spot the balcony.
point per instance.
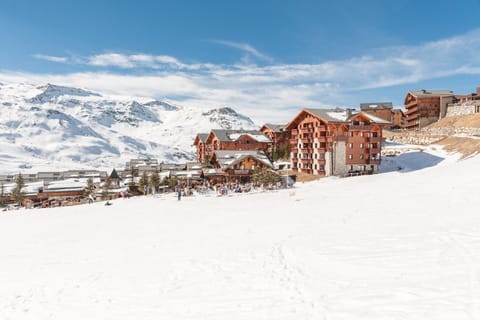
(374, 139)
(306, 130)
(294, 132)
(295, 160)
(320, 161)
(306, 161)
(341, 138)
(358, 127)
(306, 140)
(321, 150)
(321, 128)
(306, 150)
(294, 150)
(294, 141)
(241, 172)
(374, 150)
(412, 110)
(374, 161)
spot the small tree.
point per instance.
(155, 180)
(265, 176)
(170, 182)
(90, 188)
(17, 192)
(106, 187)
(143, 183)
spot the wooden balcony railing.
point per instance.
(360, 127)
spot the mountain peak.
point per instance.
(51, 92)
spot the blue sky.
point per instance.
(268, 59)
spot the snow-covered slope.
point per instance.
(400, 245)
(51, 126)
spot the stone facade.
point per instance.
(463, 109)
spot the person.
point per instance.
(90, 198)
(179, 194)
(108, 203)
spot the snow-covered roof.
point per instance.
(375, 119)
(228, 158)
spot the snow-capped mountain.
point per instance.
(50, 127)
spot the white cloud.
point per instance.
(263, 91)
(51, 58)
(245, 47)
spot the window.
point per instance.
(361, 145)
(350, 156)
(350, 145)
(361, 156)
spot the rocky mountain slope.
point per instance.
(49, 126)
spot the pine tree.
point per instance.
(106, 187)
(90, 188)
(143, 183)
(17, 193)
(155, 180)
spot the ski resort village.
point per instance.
(340, 213)
(239, 160)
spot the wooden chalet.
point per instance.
(398, 119)
(335, 142)
(277, 134)
(219, 139)
(426, 106)
(238, 165)
(200, 146)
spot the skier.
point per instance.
(179, 194)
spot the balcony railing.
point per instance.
(374, 161)
(241, 171)
(306, 130)
(306, 140)
(360, 127)
(294, 132)
(374, 150)
(307, 160)
(306, 150)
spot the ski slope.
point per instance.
(398, 245)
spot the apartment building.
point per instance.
(335, 142)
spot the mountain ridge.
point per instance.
(52, 126)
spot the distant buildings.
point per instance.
(426, 106)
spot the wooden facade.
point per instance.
(238, 165)
(335, 142)
(398, 119)
(279, 136)
(426, 106)
(230, 140)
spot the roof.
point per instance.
(233, 135)
(374, 118)
(399, 110)
(431, 93)
(227, 158)
(275, 127)
(331, 115)
(114, 175)
(202, 136)
(376, 105)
